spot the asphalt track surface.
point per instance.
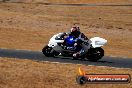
(38, 56)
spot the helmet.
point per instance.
(75, 31)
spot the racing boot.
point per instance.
(79, 54)
(75, 56)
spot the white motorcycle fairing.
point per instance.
(97, 42)
(53, 42)
(92, 48)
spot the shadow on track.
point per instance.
(85, 60)
(38, 56)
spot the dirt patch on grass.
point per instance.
(31, 74)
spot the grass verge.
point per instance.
(16, 73)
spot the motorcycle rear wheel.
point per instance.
(95, 54)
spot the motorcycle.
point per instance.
(92, 48)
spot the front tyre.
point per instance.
(47, 51)
(94, 54)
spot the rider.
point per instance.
(75, 32)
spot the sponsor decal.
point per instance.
(83, 78)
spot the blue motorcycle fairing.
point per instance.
(70, 41)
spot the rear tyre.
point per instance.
(94, 54)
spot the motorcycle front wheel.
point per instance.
(49, 52)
